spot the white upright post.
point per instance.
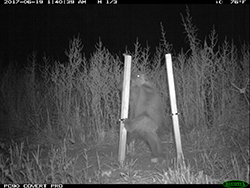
(124, 110)
(180, 156)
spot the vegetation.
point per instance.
(57, 118)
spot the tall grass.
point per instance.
(58, 106)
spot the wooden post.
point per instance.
(124, 110)
(175, 119)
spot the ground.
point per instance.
(103, 159)
(98, 163)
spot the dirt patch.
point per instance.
(101, 161)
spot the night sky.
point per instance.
(48, 28)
